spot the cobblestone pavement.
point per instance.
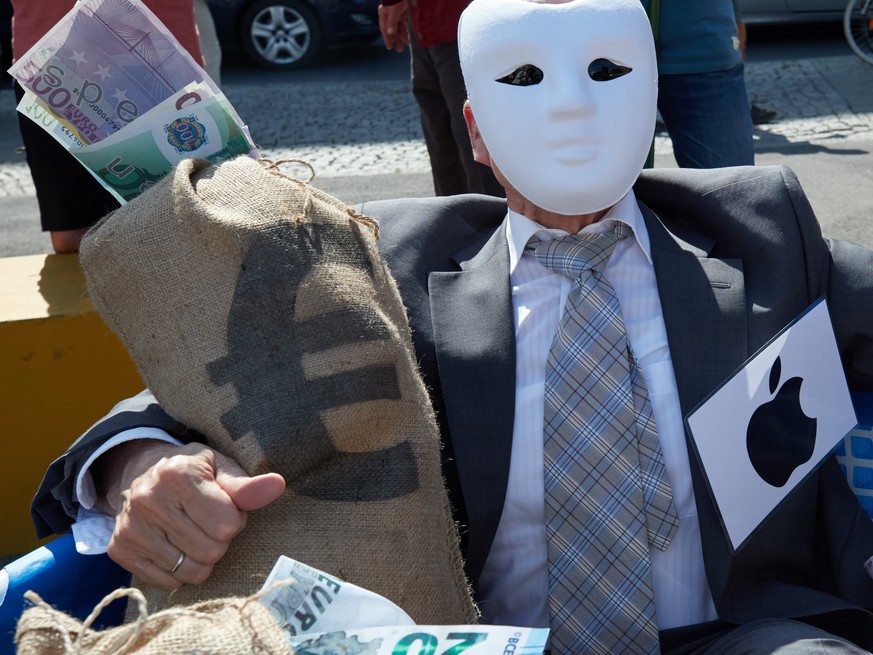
(816, 98)
(372, 128)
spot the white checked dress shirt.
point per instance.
(513, 586)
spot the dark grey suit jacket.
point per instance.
(738, 254)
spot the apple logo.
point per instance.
(780, 437)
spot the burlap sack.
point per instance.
(227, 626)
(261, 314)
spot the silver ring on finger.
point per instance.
(178, 562)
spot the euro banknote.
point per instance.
(106, 63)
(426, 640)
(135, 158)
(320, 613)
(192, 123)
(31, 107)
(304, 599)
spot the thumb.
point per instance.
(247, 493)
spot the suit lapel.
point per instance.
(704, 305)
(703, 300)
(475, 347)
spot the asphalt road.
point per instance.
(353, 117)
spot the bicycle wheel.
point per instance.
(858, 26)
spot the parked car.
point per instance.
(286, 34)
(791, 11)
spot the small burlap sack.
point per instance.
(261, 314)
(227, 626)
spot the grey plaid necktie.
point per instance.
(607, 496)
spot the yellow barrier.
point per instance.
(61, 369)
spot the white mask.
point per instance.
(568, 143)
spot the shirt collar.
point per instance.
(520, 229)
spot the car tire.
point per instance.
(281, 34)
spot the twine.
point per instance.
(143, 618)
(272, 167)
(365, 220)
(71, 648)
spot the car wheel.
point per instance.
(281, 34)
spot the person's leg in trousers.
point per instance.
(479, 178)
(439, 90)
(707, 117)
(776, 637)
(445, 163)
(70, 199)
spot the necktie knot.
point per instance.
(572, 254)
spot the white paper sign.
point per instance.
(769, 425)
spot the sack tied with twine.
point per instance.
(261, 314)
(227, 626)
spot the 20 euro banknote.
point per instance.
(323, 615)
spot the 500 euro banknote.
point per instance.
(103, 65)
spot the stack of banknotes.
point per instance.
(114, 87)
(323, 615)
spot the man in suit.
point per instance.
(708, 266)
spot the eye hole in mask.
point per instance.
(603, 70)
(526, 75)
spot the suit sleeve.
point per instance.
(841, 271)
(851, 300)
(55, 505)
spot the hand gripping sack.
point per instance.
(260, 314)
